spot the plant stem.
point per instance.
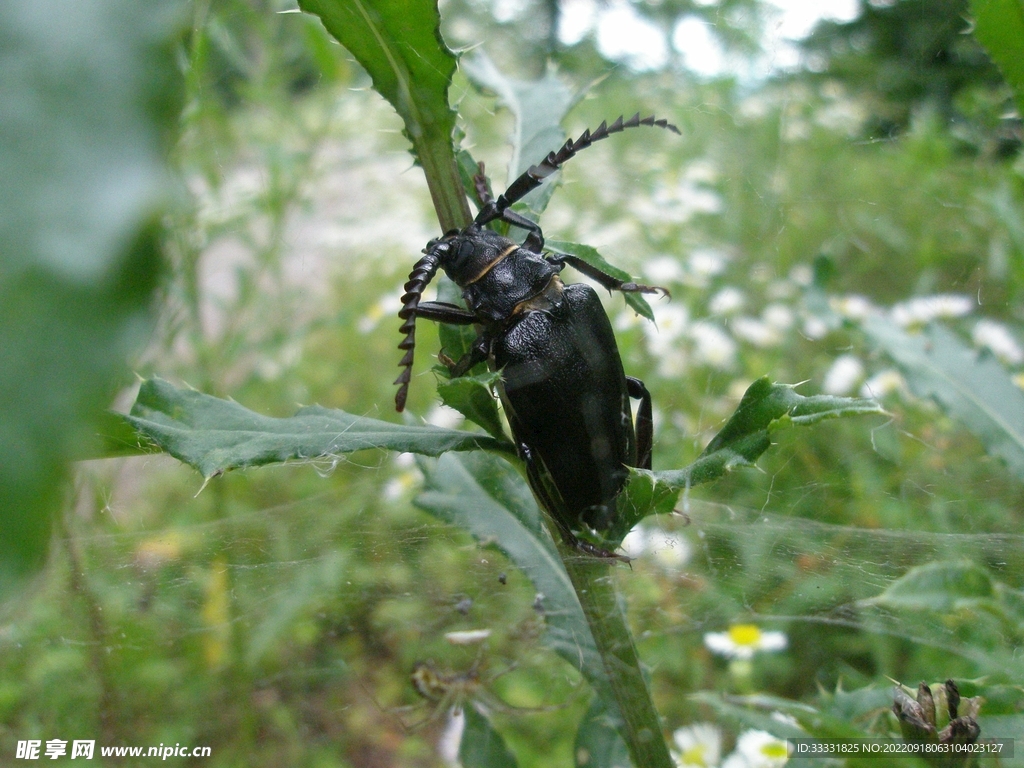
(641, 729)
(439, 166)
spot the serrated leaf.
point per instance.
(399, 44)
(643, 495)
(481, 745)
(214, 435)
(472, 397)
(765, 408)
(538, 107)
(483, 496)
(971, 387)
(596, 260)
(940, 586)
(999, 26)
(89, 93)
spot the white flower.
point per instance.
(843, 375)
(397, 487)
(669, 549)
(742, 641)
(702, 171)
(778, 316)
(713, 345)
(758, 749)
(443, 416)
(635, 543)
(758, 333)
(852, 307)
(923, 309)
(815, 328)
(998, 340)
(699, 744)
(663, 269)
(802, 275)
(726, 301)
(702, 265)
(883, 383)
(670, 322)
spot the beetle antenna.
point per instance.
(421, 274)
(536, 174)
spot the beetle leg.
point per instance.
(476, 354)
(534, 237)
(443, 312)
(606, 280)
(644, 422)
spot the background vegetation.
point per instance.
(812, 225)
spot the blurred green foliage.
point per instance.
(911, 55)
(89, 98)
(276, 615)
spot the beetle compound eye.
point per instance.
(466, 250)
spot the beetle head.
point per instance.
(466, 255)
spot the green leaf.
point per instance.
(89, 93)
(765, 409)
(538, 107)
(596, 260)
(119, 438)
(941, 586)
(214, 435)
(456, 340)
(970, 386)
(999, 26)
(399, 44)
(644, 495)
(482, 746)
(481, 494)
(472, 397)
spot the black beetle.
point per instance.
(562, 385)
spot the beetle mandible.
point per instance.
(562, 385)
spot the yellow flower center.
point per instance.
(695, 755)
(744, 634)
(774, 750)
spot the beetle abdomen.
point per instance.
(564, 392)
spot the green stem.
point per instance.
(641, 728)
(442, 172)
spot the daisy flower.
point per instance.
(742, 641)
(758, 749)
(700, 746)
